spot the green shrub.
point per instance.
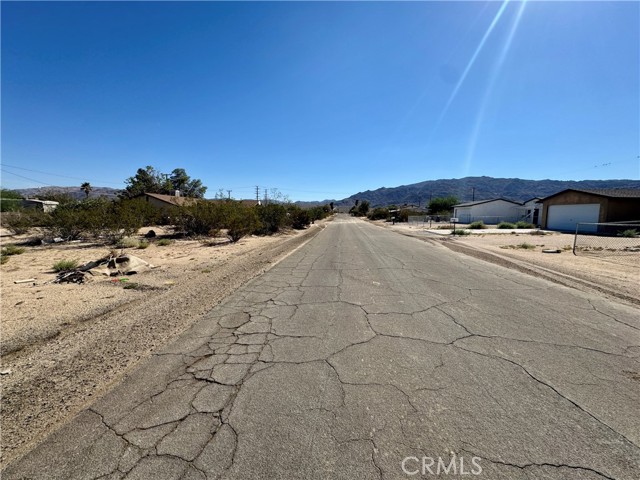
(506, 225)
(379, 213)
(9, 250)
(318, 213)
(163, 242)
(403, 215)
(128, 242)
(10, 204)
(522, 224)
(142, 244)
(299, 218)
(631, 233)
(442, 206)
(524, 246)
(271, 218)
(5, 193)
(125, 217)
(360, 210)
(199, 218)
(12, 250)
(22, 221)
(97, 217)
(477, 225)
(64, 265)
(239, 220)
(461, 232)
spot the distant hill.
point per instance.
(74, 192)
(485, 188)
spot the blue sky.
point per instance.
(320, 100)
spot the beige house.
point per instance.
(168, 201)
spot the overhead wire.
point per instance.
(57, 174)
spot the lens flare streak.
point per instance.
(473, 140)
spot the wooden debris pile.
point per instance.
(112, 266)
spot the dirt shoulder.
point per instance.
(67, 344)
(614, 277)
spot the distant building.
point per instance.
(491, 211)
(531, 211)
(159, 200)
(563, 210)
(43, 205)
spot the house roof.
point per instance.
(171, 199)
(603, 192)
(471, 204)
(43, 202)
(182, 201)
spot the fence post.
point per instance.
(575, 239)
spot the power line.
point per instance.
(26, 178)
(56, 175)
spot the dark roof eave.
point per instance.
(606, 193)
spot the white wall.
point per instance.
(495, 211)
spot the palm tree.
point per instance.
(86, 188)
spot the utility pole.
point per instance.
(266, 196)
(257, 194)
(229, 192)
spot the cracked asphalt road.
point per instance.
(360, 349)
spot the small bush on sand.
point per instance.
(477, 225)
(461, 232)
(12, 250)
(64, 265)
(163, 242)
(631, 233)
(142, 244)
(128, 242)
(524, 246)
(22, 221)
(522, 224)
(506, 225)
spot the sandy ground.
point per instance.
(617, 274)
(64, 344)
(40, 310)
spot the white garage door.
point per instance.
(565, 217)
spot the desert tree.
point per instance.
(86, 188)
